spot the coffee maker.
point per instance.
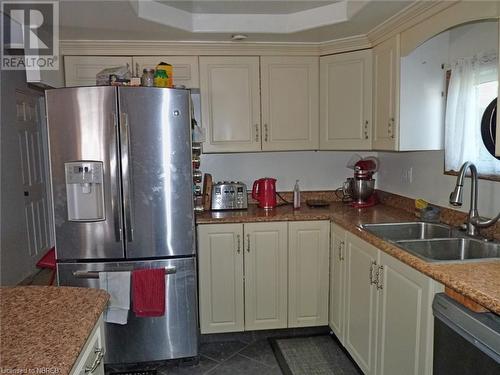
(361, 188)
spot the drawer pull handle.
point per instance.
(379, 273)
(238, 239)
(372, 280)
(248, 243)
(99, 354)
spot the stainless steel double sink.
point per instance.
(434, 242)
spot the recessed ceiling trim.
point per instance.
(246, 23)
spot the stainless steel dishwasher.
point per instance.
(465, 342)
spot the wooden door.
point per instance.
(337, 281)
(266, 270)
(308, 274)
(230, 103)
(220, 259)
(82, 70)
(386, 68)
(290, 103)
(185, 68)
(405, 333)
(346, 101)
(361, 303)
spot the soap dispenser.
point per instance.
(296, 195)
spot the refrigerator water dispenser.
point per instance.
(84, 190)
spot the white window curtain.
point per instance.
(463, 114)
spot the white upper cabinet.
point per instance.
(82, 70)
(386, 95)
(230, 103)
(346, 101)
(185, 68)
(290, 103)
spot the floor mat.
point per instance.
(312, 355)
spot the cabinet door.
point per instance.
(266, 268)
(82, 70)
(185, 68)
(290, 103)
(405, 329)
(308, 279)
(220, 258)
(230, 103)
(386, 95)
(361, 303)
(346, 101)
(337, 283)
(92, 353)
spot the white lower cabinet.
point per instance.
(234, 297)
(337, 281)
(220, 257)
(91, 358)
(263, 275)
(380, 308)
(308, 254)
(361, 302)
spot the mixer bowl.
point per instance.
(362, 189)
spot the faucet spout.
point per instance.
(474, 221)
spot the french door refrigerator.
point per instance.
(121, 174)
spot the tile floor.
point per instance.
(221, 358)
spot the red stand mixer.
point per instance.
(361, 187)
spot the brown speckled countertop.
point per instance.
(479, 281)
(44, 328)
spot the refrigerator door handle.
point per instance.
(125, 147)
(95, 274)
(116, 197)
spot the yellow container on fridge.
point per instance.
(163, 75)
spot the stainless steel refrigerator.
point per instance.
(122, 180)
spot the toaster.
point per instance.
(229, 196)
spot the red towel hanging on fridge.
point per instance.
(148, 292)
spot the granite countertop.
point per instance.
(479, 281)
(44, 328)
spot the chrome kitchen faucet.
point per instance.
(474, 221)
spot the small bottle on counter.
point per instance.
(296, 196)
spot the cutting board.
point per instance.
(207, 191)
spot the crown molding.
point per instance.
(351, 43)
(173, 48)
(406, 18)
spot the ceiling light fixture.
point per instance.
(238, 37)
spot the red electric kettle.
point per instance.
(264, 191)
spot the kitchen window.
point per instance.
(472, 87)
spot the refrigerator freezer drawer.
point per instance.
(174, 335)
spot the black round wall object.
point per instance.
(489, 127)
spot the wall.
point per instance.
(316, 170)
(430, 183)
